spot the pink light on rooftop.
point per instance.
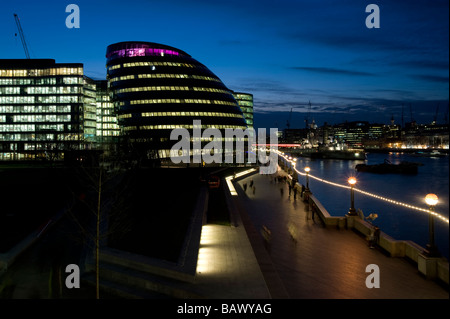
(142, 52)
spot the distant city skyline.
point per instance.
(287, 54)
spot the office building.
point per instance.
(157, 88)
(46, 109)
(108, 129)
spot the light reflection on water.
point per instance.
(397, 221)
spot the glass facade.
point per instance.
(245, 102)
(157, 88)
(46, 108)
(108, 129)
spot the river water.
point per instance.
(397, 221)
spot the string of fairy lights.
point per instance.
(391, 201)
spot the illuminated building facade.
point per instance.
(157, 88)
(89, 117)
(46, 109)
(108, 129)
(245, 102)
(352, 133)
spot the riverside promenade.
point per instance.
(304, 259)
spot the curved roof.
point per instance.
(140, 48)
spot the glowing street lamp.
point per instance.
(352, 210)
(294, 170)
(431, 249)
(289, 164)
(307, 169)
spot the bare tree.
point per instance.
(101, 200)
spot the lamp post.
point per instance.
(290, 163)
(431, 249)
(294, 171)
(307, 169)
(352, 210)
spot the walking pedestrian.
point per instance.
(251, 182)
(253, 188)
(374, 236)
(245, 187)
(371, 238)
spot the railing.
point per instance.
(430, 267)
(392, 201)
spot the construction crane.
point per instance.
(308, 115)
(22, 36)
(435, 115)
(411, 113)
(446, 116)
(403, 124)
(288, 122)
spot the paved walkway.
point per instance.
(227, 267)
(317, 262)
(303, 260)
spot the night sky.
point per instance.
(286, 53)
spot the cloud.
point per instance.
(271, 113)
(423, 64)
(331, 71)
(268, 106)
(431, 78)
(261, 85)
(408, 31)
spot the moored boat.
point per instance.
(433, 153)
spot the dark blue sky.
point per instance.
(286, 53)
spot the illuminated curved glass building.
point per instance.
(157, 88)
(245, 102)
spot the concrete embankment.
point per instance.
(431, 267)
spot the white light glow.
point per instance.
(431, 199)
(439, 216)
(208, 261)
(231, 186)
(230, 178)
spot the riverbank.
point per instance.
(405, 150)
(398, 221)
(435, 267)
